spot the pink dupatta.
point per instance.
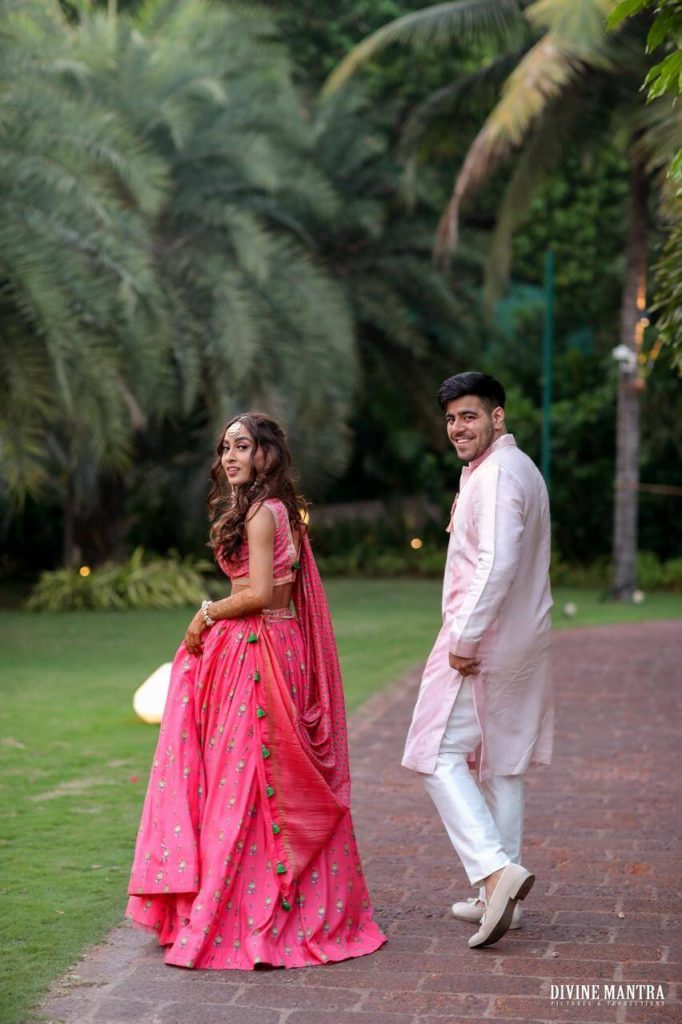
(308, 767)
(324, 715)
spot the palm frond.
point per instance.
(26, 401)
(541, 76)
(540, 155)
(668, 295)
(483, 84)
(658, 128)
(431, 27)
(581, 24)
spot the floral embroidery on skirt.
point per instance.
(233, 867)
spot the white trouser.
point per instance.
(483, 820)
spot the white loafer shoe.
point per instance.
(472, 910)
(515, 883)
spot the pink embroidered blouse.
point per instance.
(284, 556)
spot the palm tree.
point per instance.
(78, 350)
(253, 318)
(412, 320)
(563, 64)
(156, 178)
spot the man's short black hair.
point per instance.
(485, 387)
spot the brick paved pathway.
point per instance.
(601, 824)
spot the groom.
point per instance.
(485, 699)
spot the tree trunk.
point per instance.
(95, 532)
(71, 555)
(630, 387)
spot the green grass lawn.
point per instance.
(74, 758)
(594, 610)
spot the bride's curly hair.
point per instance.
(229, 507)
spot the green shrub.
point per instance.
(147, 581)
(651, 573)
(340, 565)
(649, 570)
(596, 574)
(372, 560)
(388, 563)
(671, 575)
(144, 581)
(430, 562)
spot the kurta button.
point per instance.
(280, 869)
(265, 751)
(260, 713)
(276, 829)
(269, 791)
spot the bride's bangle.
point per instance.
(204, 611)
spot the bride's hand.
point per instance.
(194, 632)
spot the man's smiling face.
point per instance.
(471, 426)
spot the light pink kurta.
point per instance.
(496, 606)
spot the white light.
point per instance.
(638, 597)
(625, 357)
(150, 698)
(570, 609)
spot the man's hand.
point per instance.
(465, 666)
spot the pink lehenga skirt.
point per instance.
(244, 856)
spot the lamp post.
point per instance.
(547, 369)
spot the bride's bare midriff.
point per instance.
(281, 596)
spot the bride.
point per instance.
(245, 853)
